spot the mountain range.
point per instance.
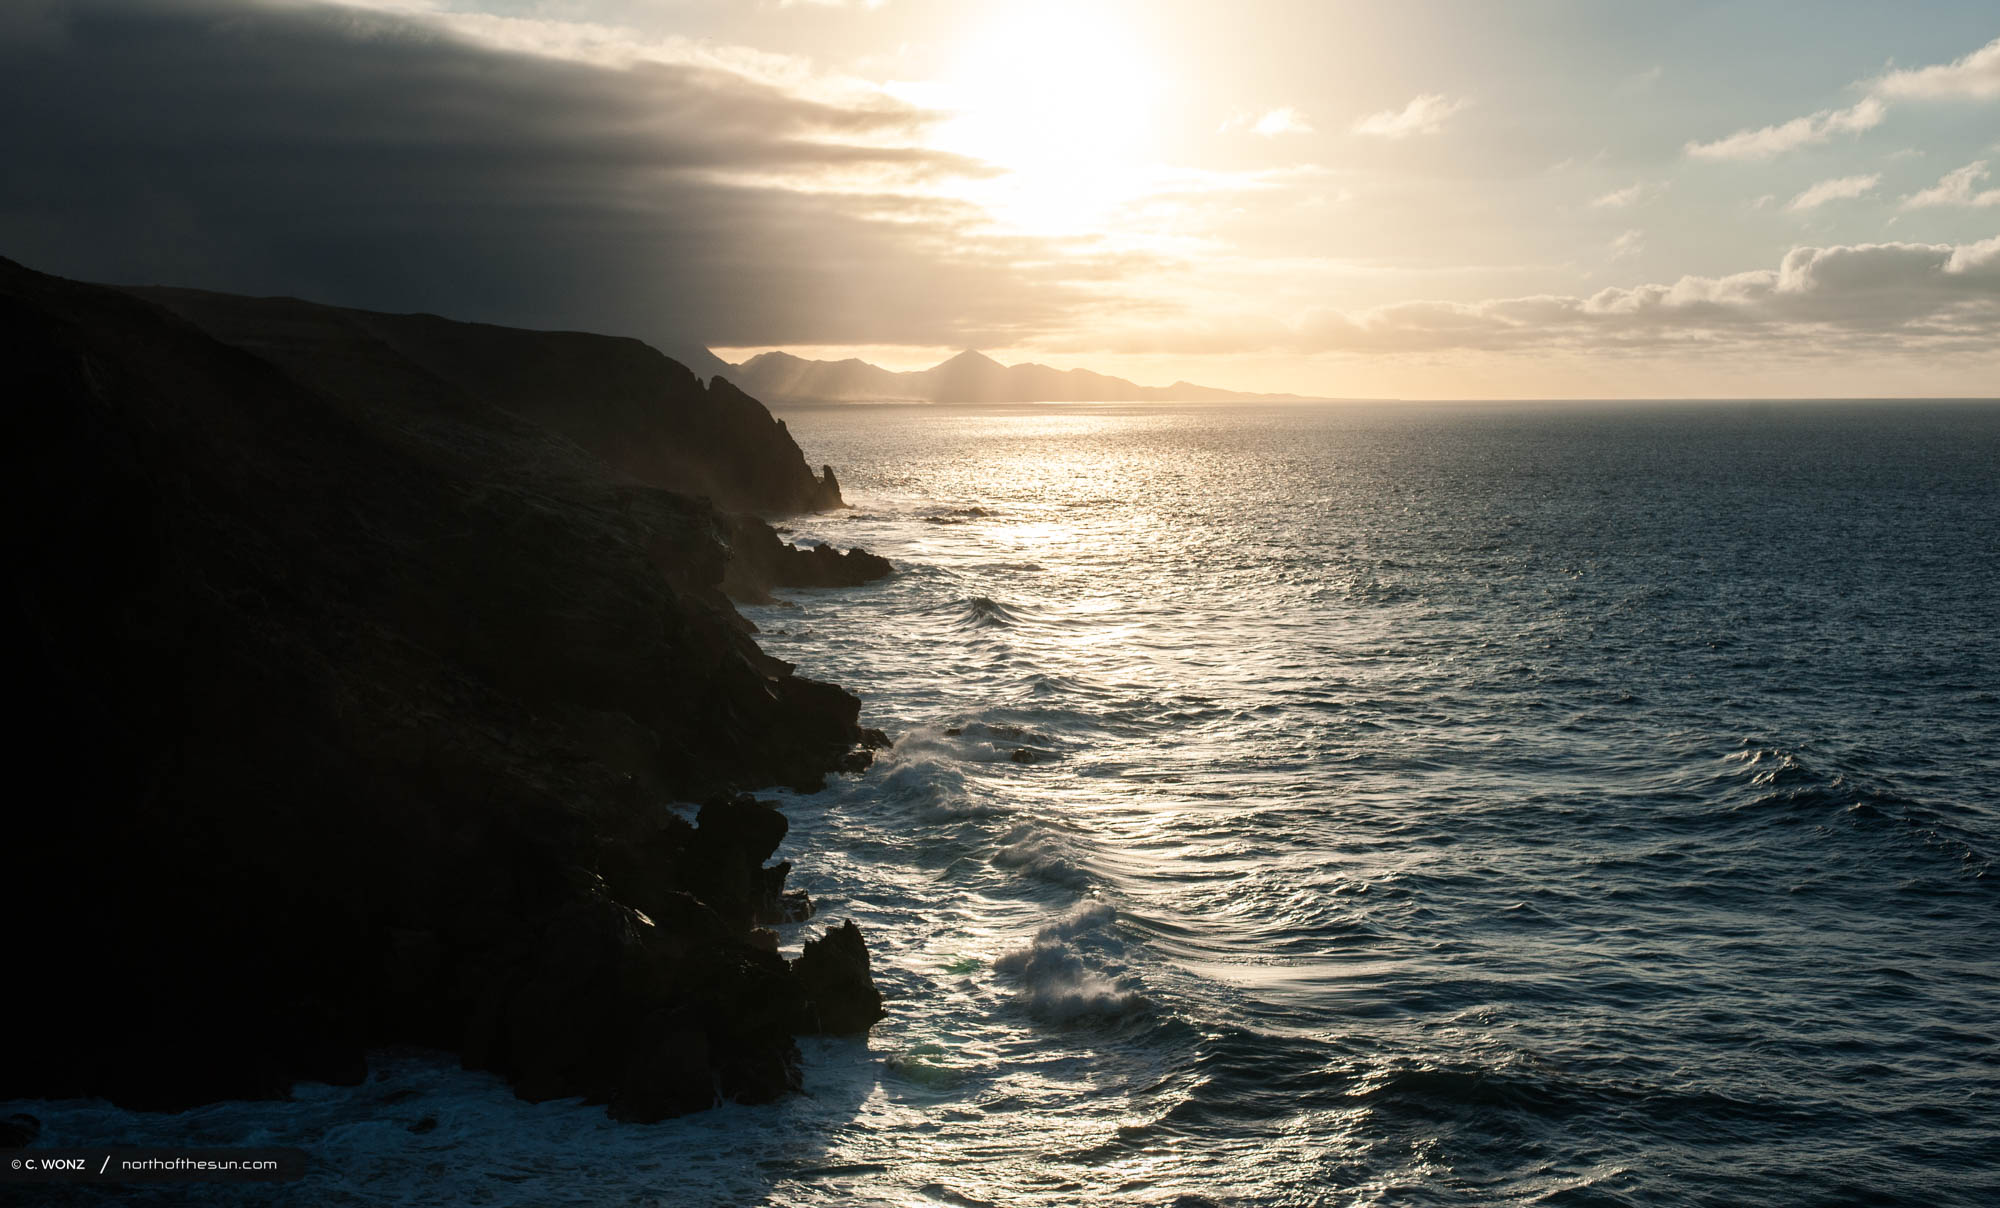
(969, 377)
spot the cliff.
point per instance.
(356, 701)
(646, 417)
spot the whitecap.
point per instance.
(1055, 981)
(1040, 856)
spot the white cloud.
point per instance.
(1826, 301)
(1840, 188)
(1283, 120)
(1424, 114)
(1631, 243)
(1955, 188)
(1768, 141)
(1974, 77)
(1630, 195)
(1763, 201)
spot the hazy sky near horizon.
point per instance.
(1419, 199)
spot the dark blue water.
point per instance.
(1426, 804)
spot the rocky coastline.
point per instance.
(385, 689)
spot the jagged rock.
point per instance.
(840, 993)
(751, 1002)
(795, 906)
(759, 561)
(723, 862)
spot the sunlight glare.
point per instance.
(1060, 97)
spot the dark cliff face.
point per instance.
(647, 417)
(355, 707)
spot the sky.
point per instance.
(1420, 200)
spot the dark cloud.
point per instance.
(387, 161)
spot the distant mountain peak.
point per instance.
(968, 377)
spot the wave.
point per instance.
(976, 742)
(958, 515)
(984, 612)
(1057, 984)
(1042, 857)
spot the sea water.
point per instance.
(1351, 804)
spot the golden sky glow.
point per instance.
(1428, 199)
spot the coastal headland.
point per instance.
(385, 690)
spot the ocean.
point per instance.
(1351, 804)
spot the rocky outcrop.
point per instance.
(760, 559)
(840, 996)
(357, 705)
(648, 418)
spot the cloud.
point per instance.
(515, 172)
(1769, 141)
(1424, 114)
(1281, 121)
(1843, 188)
(1284, 120)
(1975, 77)
(1630, 195)
(1631, 243)
(1818, 301)
(1955, 188)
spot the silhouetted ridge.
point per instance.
(646, 416)
(969, 377)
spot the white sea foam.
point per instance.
(1041, 856)
(1056, 982)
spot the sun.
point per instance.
(1061, 99)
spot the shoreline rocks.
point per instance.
(760, 560)
(363, 697)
